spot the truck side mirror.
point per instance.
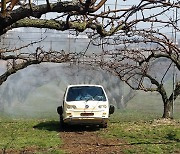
(60, 110)
(111, 109)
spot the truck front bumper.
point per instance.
(85, 120)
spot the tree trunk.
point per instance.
(167, 109)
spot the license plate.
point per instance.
(87, 114)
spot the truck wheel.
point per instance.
(60, 110)
(111, 109)
(62, 124)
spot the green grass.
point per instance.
(157, 136)
(135, 135)
(140, 128)
(136, 128)
(37, 136)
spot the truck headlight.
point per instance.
(71, 107)
(102, 106)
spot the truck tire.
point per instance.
(62, 124)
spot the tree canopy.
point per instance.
(135, 37)
(94, 14)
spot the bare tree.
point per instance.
(71, 15)
(16, 62)
(83, 14)
(96, 15)
(67, 15)
(120, 30)
(146, 67)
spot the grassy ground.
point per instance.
(137, 128)
(139, 136)
(135, 136)
(142, 128)
(34, 136)
(145, 136)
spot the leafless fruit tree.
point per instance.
(144, 60)
(133, 38)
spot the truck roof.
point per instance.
(83, 85)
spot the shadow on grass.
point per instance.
(173, 136)
(55, 126)
(48, 125)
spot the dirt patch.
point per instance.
(88, 141)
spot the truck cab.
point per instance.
(85, 105)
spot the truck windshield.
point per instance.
(85, 93)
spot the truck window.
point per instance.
(85, 93)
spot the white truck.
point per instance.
(85, 105)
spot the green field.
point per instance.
(143, 130)
(144, 136)
(18, 136)
(139, 129)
